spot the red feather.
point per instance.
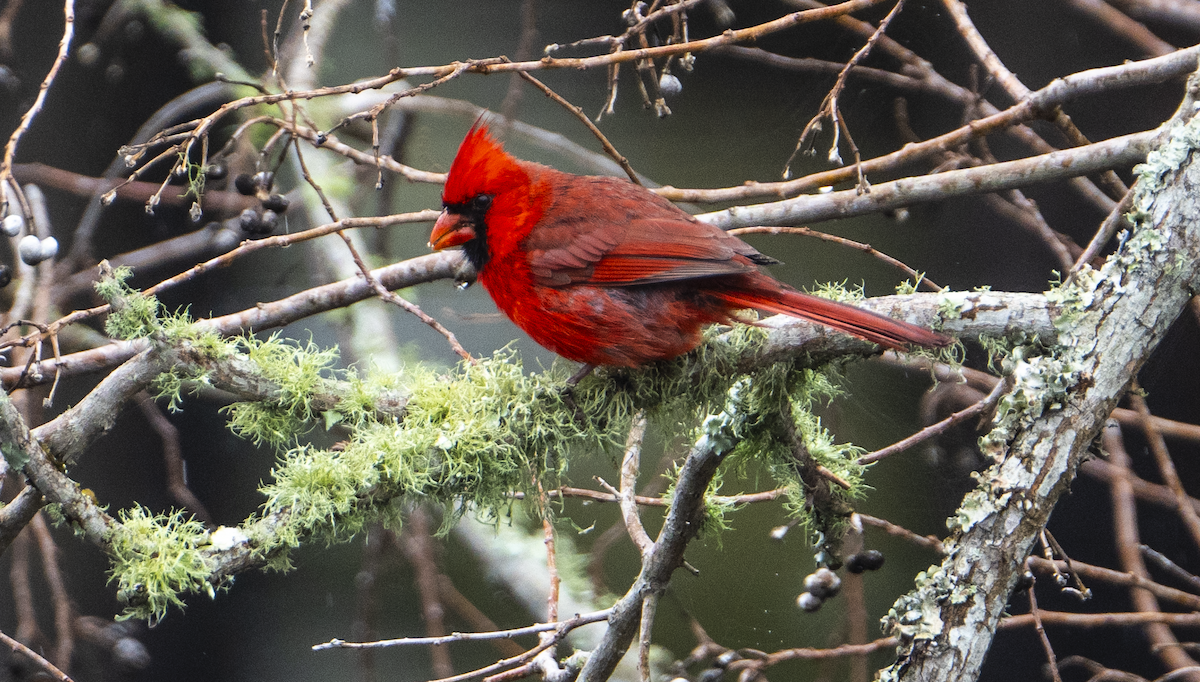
(603, 271)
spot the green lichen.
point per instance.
(155, 558)
(748, 429)
(467, 439)
(840, 291)
(916, 616)
(134, 315)
(299, 371)
(1043, 376)
(204, 346)
(470, 438)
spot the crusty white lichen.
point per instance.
(917, 615)
(957, 305)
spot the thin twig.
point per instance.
(925, 541)
(380, 290)
(1169, 566)
(918, 277)
(829, 107)
(478, 619)
(173, 460)
(578, 112)
(419, 549)
(1126, 541)
(64, 646)
(629, 474)
(32, 655)
(1115, 221)
(932, 430)
(14, 140)
(563, 627)
(1051, 659)
(1166, 467)
(645, 628)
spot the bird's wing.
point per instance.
(639, 238)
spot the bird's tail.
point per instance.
(864, 324)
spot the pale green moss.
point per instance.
(299, 371)
(134, 315)
(155, 558)
(840, 291)
(467, 439)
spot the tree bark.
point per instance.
(1109, 323)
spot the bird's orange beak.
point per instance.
(451, 229)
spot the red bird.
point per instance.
(605, 272)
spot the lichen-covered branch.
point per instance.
(1109, 321)
(24, 453)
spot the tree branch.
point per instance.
(1110, 322)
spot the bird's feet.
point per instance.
(568, 393)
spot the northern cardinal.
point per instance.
(605, 272)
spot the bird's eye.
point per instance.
(481, 203)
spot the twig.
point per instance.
(983, 381)
(1056, 92)
(644, 501)
(1169, 566)
(1053, 166)
(1053, 549)
(932, 430)
(561, 627)
(15, 515)
(1051, 659)
(1015, 88)
(1125, 529)
(1102, 620)
(14, 140)
(471, 613)
(678, 529)
(629, 474)
(919, 278)
(32, 655)
(1166, 468)
(808, 654)
(1114, 577)
(64, 645)
(1115, 220)
(22, 588)
(419, 549)
(1122, 27)
(578, 112)
(375, 546)
(645, 628)
(282, 240)
(829, 107)
(380, 290)
(172, 458)
(1097, 671)
(1142, 489)
(551, 557)
(925, 541)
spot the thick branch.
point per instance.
(1111, 321)
(1054, 166)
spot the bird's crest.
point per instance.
(480, 167)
